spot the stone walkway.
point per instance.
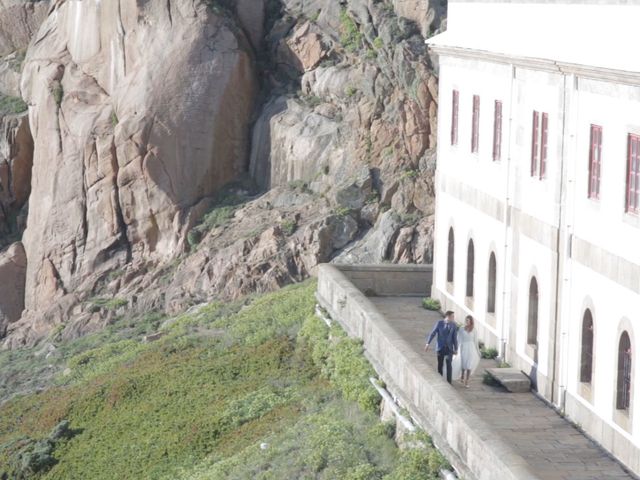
(552, 447)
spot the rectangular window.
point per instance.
(595, 157)
(497, 131)
(539, 140)
(454, 117)
(633, 174)
(543, 145)
(475, 126)
(534, 143)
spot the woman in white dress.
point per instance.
(468, 356)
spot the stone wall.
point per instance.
(468, 442)
(384, 280)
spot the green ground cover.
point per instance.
(254, 389)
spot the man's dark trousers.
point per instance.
(441, 358)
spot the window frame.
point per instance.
(534, 143)
(595, 162)
(497, 131)
(544, 137)
(587, 347)
(633, 193)
(624, 379)
(455, 107)
(475, 125)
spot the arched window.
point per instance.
(586, 357)
(470, 268)
(532, 330)
(491, 289)
(450, 252)
(623, 397)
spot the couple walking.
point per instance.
(457, 347)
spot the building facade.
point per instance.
(538, 199)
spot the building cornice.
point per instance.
(542, 64)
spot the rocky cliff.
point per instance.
(183, 150)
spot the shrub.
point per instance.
(342, 212)
(350, 91)
(108, 303)
(12, 105)
(289, 227)
(351, 37)
(378, 43)
(489, 353)
(58, 93)
(431, 304)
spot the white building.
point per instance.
(538, 198)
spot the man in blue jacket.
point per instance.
(447, 343)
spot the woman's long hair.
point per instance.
(471, 325)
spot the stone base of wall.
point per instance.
(603, 433)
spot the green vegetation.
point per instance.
(409, 174)
(431, 304)
(258, 388)
(342, 212)
(289, 226)
(490, 353)
(299, 186)
(114, 119)
(350, 91)
(58, 92)
(12, 105)
(378, 43)
(351, 37)
(314, 18)
(108, 303)
(225, 204)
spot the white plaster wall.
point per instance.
(604, 222)
(610, 305)
(491, 82)
(534, 260)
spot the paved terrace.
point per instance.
(486, 432)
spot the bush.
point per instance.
(431, 304)
(108, 303)
(289, 227)
(351, 37)
(489, 353)
(12, 105)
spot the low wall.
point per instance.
(468, 442)
(387, 280)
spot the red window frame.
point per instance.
(595, 161)
(455, 102)
(475, 124)
(497, 131)
(534, 143)
(544, 134)
(633, 174)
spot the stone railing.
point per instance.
(469, 443)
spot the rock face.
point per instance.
(13, 266)
(132, 129)
(16, 157)
(19, 20)
(142, 112)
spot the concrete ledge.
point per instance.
(391, 279)
(470, 444)
(511, 378)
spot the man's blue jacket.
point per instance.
(447, 333)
